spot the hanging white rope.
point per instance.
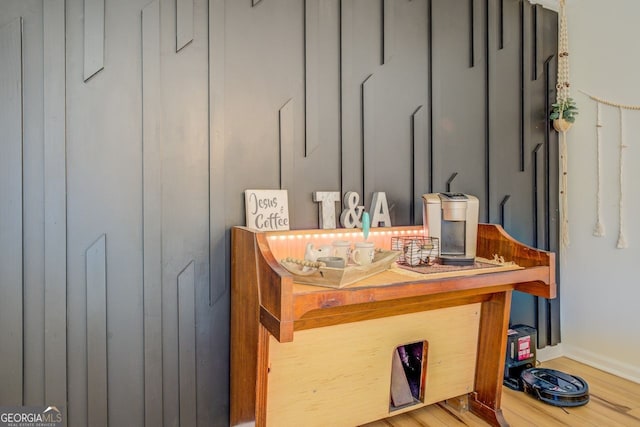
(562, 83)
(611, 103)
(598, 230)
(622, 242)
(564, 205)
(599, 227)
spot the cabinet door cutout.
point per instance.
(408, 373)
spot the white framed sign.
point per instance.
(267, 210)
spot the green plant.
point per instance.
(565, 109)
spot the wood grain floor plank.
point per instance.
(614, 402)
(635, 413)
(531, 409)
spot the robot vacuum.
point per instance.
(554, 387)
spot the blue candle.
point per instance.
(365, 225)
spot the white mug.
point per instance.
(342, 249)
(363, 253)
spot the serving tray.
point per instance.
(320, 275)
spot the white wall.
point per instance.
(600, 287)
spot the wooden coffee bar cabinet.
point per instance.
(304, 355)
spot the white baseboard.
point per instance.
(604, 363)
(249, 424)
(549, 352)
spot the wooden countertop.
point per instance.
(286, 306)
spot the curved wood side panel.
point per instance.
(493, 239)
(275, 286)
(245, 322)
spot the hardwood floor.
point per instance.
(613, 402)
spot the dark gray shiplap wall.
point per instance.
(131, 129)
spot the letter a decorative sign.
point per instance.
(267, 210)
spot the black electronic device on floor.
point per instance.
(521, 354)
(555, 387)
(548, 385)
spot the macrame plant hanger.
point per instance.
(562, 125)
(567, 109)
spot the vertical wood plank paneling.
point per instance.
(537, 37)
(501, 24)
(420, 159)
(542, 51)
(311, 75)
(184, 23)
(550, 29)
(472, 33)
(478, 30)
(487, 108)
(11, 197)
(548, 157)
(390, 97)
(368, 147)
(388, 30)
(321, 110)
(286, 139)
(504, 217)
(104, 184)
(533, 30)
(33, 190)
(97, 393)
(218, 254)
(187, 345)
(542, 305)
(521, 64)
(536, 196)
(481, 9)
(152, 215)
(320, 62)
(55, 212)
(459, 134)
(429, 19)
(544, 326)
(185, 210)
(360, 56)
(506, 135)
(551, 158)
(535, 224)
(93, 37)
(516, 211)
(348, 156)
(550, 154)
